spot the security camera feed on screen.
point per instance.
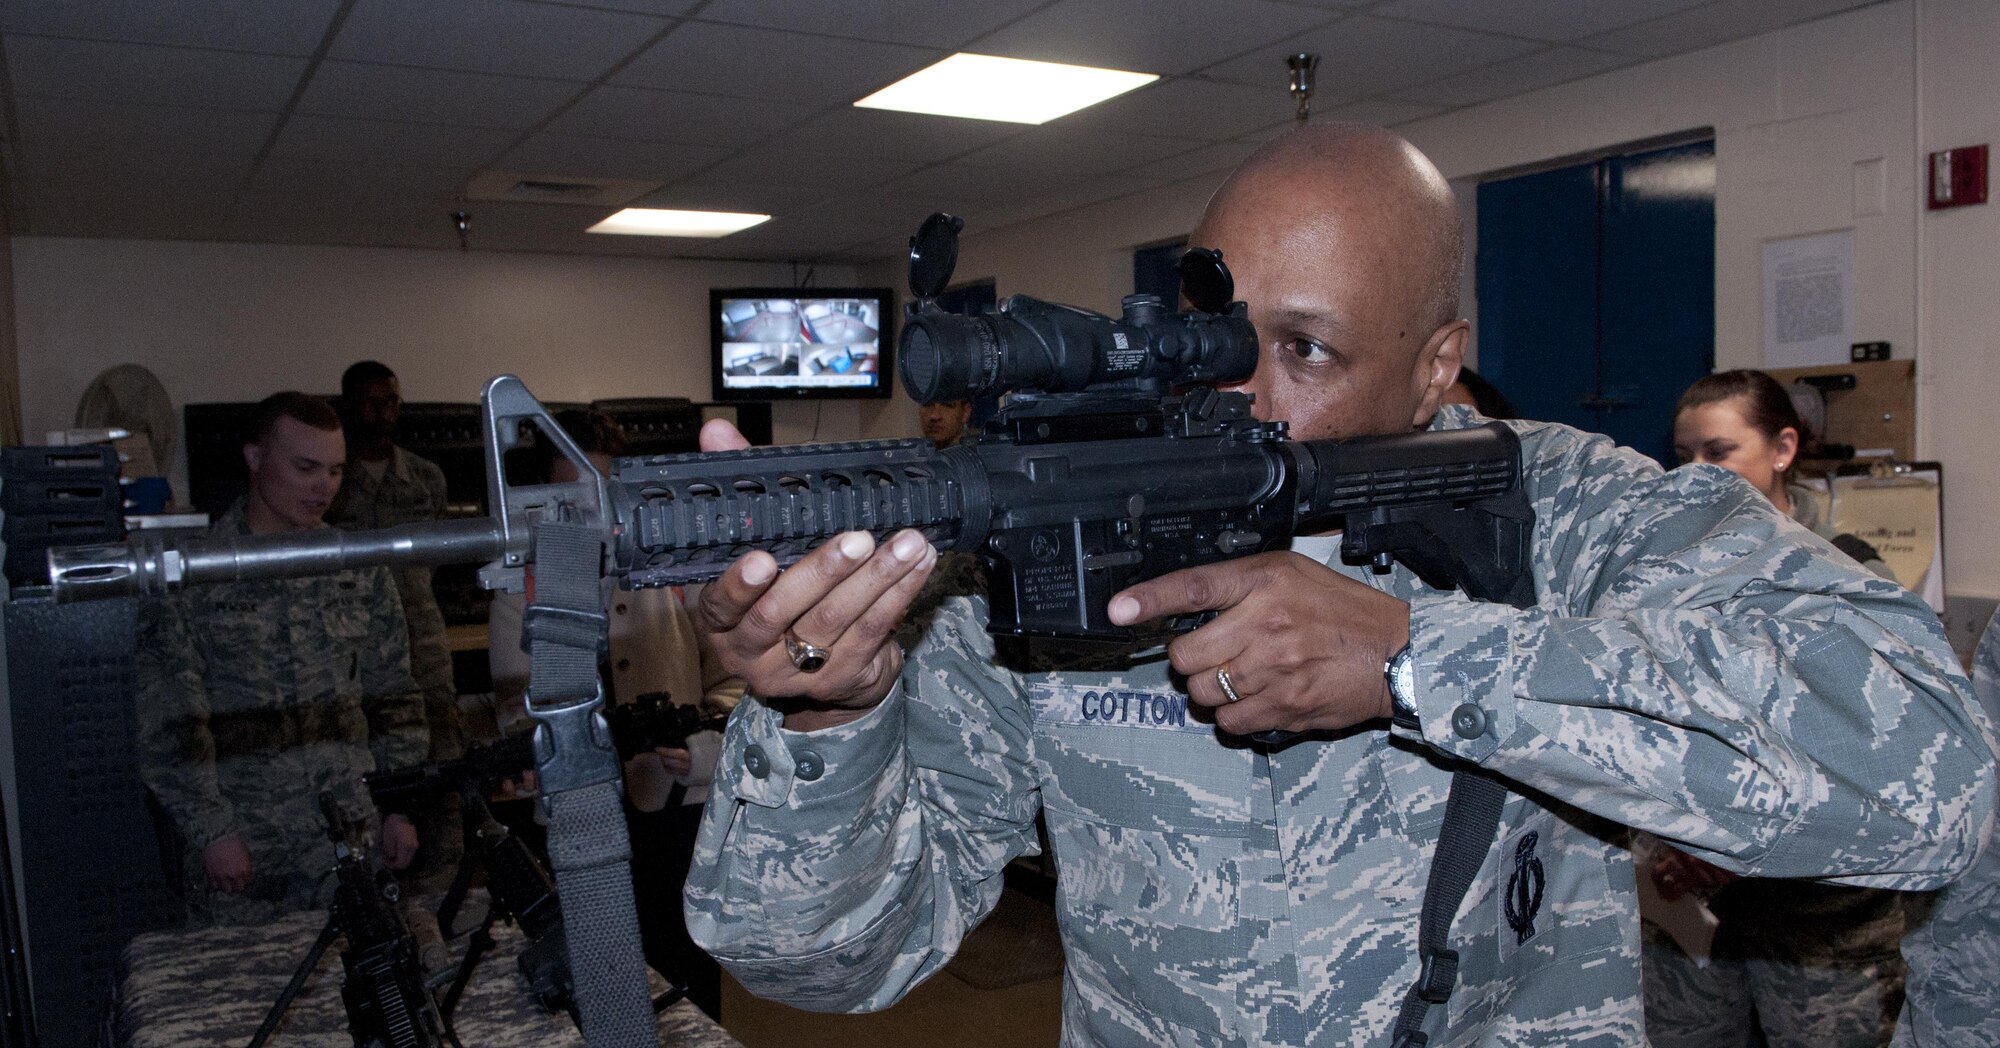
(800, 343)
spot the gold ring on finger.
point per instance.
(806, 657)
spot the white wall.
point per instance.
(220, 322)
(1959, 284)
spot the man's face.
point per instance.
(377, 407)
(1345, 348)
(943, 423)
(296, 471)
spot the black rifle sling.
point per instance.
(589, 852)
(1471, 816)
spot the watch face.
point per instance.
(1403, 676)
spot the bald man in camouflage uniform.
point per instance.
(256, 696)
(1698, 665)
(1954, 956)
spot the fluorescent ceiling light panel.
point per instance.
(659, 222)
(1015, 90)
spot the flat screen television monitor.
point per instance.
(800, 343)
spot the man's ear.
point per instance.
(1437, 367)
(253, 456)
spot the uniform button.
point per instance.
(1468, 721)
(621, 609)
(754, 760)
(807, 765)
(624, 664)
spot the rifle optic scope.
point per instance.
(1051, 348)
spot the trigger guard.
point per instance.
(1190, 622)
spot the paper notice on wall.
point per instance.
(1809, 300)
(1903, 520)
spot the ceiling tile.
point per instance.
(1069, 198)
(190, 171)
(880, 212)
(1169, 37)
(353, 183)
(644, 7)
(765, 63)
(780, 238)
(170, 195)
(144, 73)
(782, 165)
(1056, 154)
(51, 126)
(925, 23)
(585, 156)
(1196, 109)
(374, 92)
(555, 227)
(1386, 112)
(143, 210)
(1713, 24)
(875, 250)
(1222, 156)
(963, 189)
(294, 27)
(676, 116)
(1364, 55)
(497, 225)
(282, 218)
(880, 133)
(1555, 20)
(172, 105)
(706, 194)
(1514, 76)
(320, 202)
(493, 36)
(389, 141)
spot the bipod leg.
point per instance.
(461, 882)
(305, 969)
(475, 948)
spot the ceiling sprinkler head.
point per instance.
(1301, 66)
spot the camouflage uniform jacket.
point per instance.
(1954, 999)
(1212, 892)
(254, 695)
(411, 491)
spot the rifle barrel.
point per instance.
(150, 565)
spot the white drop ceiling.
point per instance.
(363, 121)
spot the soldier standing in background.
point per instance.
(943, 423)
(256, 696)
(388, 485)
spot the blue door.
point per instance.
(1597, 291)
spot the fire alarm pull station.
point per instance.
(1958, 177)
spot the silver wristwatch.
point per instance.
(1401, 673)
